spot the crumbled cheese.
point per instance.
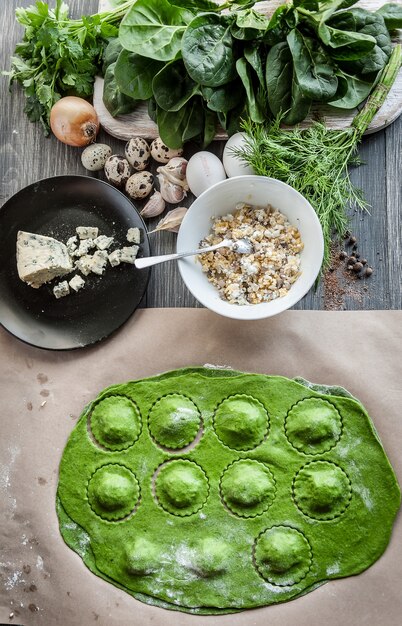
(99, 261)
(84, 264)
(76, 283)
(61, 289)
(85, 246)
(128, 254)
(102, 242)
(267, 273)
(134, 235)
(87, 232)
(115, 258)
(72, 244)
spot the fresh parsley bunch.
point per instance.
(59, 55)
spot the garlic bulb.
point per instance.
(155, 206)
(171, 192)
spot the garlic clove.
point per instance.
(175, 174)
(155, 206)
(171, 221)
(170, 191)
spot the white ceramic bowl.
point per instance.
(221, 199)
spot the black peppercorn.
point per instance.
(352, 260)
(357, 266)
(352, 240)
(369, 271)
(364, 261)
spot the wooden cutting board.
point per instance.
(139, 123)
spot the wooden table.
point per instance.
(27, 156)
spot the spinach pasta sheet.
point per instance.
(212, 491)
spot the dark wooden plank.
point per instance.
(26, 156)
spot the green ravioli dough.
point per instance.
(213, 491)
(115, 423)
(174, 421)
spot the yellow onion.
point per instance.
(74, 121)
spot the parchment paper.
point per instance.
(43, 393)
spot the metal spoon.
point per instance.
(242, 246)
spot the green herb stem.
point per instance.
(375, 101)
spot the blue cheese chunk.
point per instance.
(115, 258)
(103, 242)
(85, 246)
(129, 254)
(72, 244)
(133, 235)
(40, 259)
(87, 232)
(84, 264)
(61, 289)
(98, 262)
(76, 283)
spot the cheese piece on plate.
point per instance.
(61, 289)
(87, 232)
(84, 264)
(76, 283)
(41, 258)
(115, 258)
(133, 235)
(129, 254)
(103, 242)
(85, 246)
(98, 263)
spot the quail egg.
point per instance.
(117, 170)
(95, 156)
(233, 165)
(140, 185)
(138, 153)
(161, 153)
(204, 169)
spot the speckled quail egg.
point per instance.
(161, 153)
(95, 156)
(234, 166)
(138, 153)
(140, 185)
(204, 169)
(117, 170)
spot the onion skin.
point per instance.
(74, 121)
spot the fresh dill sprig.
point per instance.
(315, 161)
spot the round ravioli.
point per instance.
(322, 490)
(241, 422)
(181, 487)
(313, 426)
(282, 555)
(247, 487)
(113, 492)
(116, 423)
(174, 421)
(142, 557)
(210, 557)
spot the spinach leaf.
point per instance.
(210, 122)
(313, 67)
(154, 28)
(208, 50)
(231, 121)
(368, 23)
(116, 102)
(346, 44)
(111, 53)
(172, 87)
(224, 98)
(152, 109)
(277, 27)
(284, 94)
(194, 126)
(253, 56)
(196, 5)
(392, 14)
(249, 25)
(134, 74)
(254, 109)
(352, 91)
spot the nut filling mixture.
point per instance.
(267, 273)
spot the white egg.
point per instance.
(204, 169)
(233, 165)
